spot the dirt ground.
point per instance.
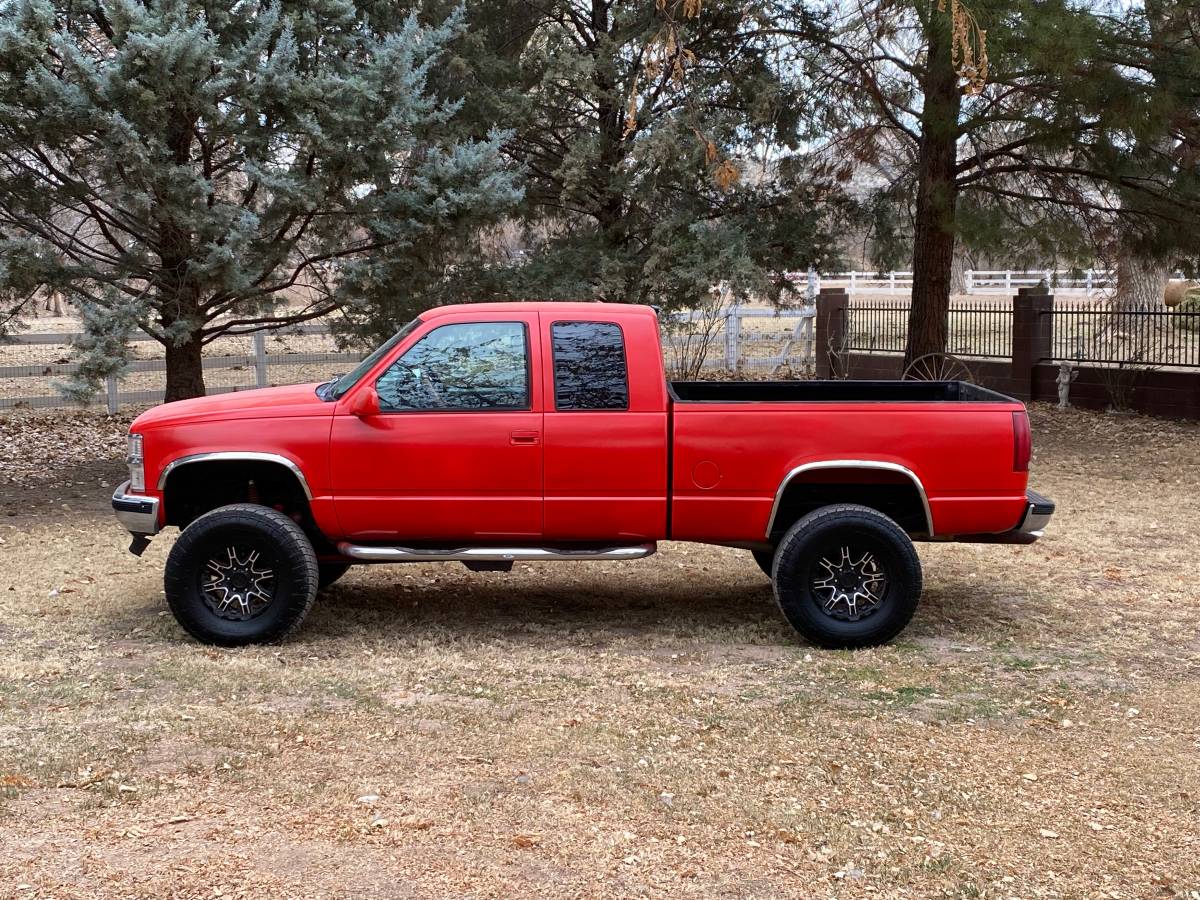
(596, 730)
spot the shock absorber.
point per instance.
(252, 492)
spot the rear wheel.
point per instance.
(241, 574)
(847, 576)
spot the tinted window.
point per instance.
(473, 365)
(589, 366)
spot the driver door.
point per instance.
(455, 452)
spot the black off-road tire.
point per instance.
(329, 572)
(765, 560)
(801, 563)
(281, 546)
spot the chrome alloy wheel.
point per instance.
(849, 583)
(237, 584)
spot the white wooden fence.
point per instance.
(752, 337)
(1001, 281)
(739, 338)
(255, 368)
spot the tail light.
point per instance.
(1022, 441)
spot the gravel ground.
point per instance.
(595, 730)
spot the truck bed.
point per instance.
(832, 392)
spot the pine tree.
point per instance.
(661, 154)
(198, 170)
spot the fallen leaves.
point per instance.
(39, 447)
(86, 779)
(764, 763)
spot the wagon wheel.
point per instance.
(938, 367)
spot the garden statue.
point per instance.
(1066, 375)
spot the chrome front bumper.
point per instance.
(138, 514)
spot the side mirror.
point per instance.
(366, 402)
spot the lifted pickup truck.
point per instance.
(489, 433)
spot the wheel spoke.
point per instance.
(849, 583)
(237, 583)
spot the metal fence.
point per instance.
(1143, 336)
(1148, 336)
(978, 329)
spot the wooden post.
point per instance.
(970, 280)
(260, 359)
(833, 305)
(1031, 337)
(733, 328)
(112, 391)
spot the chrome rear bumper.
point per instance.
(1037, 515)
(138, 514)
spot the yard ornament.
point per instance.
(1066, 375)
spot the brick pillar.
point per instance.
(1030, 337)
(833, 306)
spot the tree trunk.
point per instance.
(933, 246)
(180, 316)
(185, 369)
(1141, 281)
(958, 271)
(608, 200)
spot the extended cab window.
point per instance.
(466, 366)
(589, 366)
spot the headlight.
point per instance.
(137, 469)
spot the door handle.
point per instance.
(519, 438)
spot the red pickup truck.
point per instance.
(488, 433)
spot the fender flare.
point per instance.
(850, 464)
(236, 456)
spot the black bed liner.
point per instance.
(832, 391)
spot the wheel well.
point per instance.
(196, 488)
(893, 493)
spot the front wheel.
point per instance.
(847, 576)
(241, 574)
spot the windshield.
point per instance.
(350, 379)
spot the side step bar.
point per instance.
(490, 554)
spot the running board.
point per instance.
(490, 554)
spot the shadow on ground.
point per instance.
(553, 605)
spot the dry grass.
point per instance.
(641, 729)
